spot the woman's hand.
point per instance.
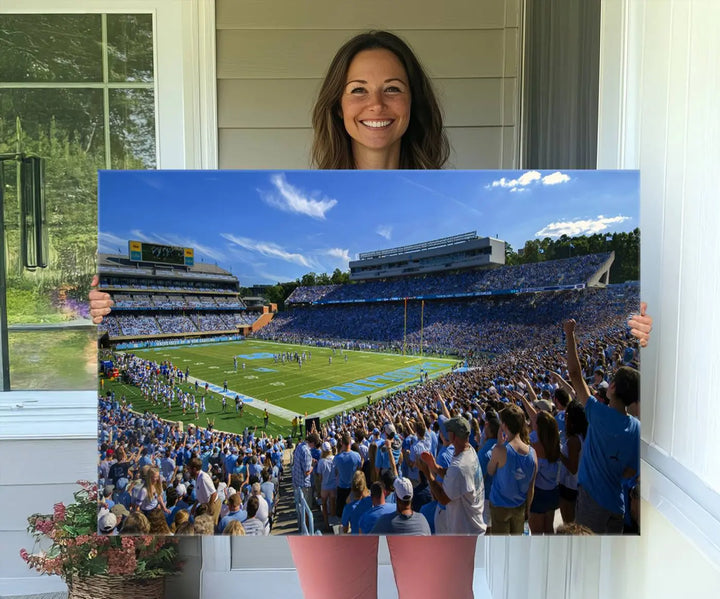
(100, 302)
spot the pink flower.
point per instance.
(90, 488)
(76, 554)
(128, 543)
(44, 526)
(59, 511)
(121, 561)
(53, 565)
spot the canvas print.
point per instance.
(379, 352)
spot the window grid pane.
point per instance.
(52, 47)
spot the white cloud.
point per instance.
(529, 178)
(524, 179)
(580, 227)
(137, 234)
(290, 199)
(341, 254)
(270, 249)
(555, 178)
(384, 231)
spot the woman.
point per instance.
(546, 495)
(575, 430)
(377, 110)
(357, 504)
(136, 524)
(150, 496)
(328, 483)
(513, 464)
(181, 517)
(234, 528)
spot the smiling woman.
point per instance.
(377, 109)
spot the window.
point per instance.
(77, 90)
(98, 62)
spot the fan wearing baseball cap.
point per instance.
(107, 522)
(403, 521)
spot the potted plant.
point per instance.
(94, 565)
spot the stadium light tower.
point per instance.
(33, 235)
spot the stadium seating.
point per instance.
(572, 271)
(487, 324)
(188, 304)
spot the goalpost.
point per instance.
(422, 323)
(405, 328)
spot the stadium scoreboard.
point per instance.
(140, 251)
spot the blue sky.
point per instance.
(270, 226)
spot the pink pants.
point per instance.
(346, 566)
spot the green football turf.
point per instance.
(227, 421)
(281, 385)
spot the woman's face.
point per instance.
(375, 103)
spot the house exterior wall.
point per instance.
(47, 443)
(271, 57)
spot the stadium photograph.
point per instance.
(354, 353)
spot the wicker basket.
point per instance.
(116, 587)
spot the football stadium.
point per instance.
(392, 383)
(174, 314)
(409, 314)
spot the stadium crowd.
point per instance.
(571, 271)
(122, 324)
(532, 405)
(466, 328)
(138, 301)
(522, 434)
(159, 479)
(155, 285)
(393, 465)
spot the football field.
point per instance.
(326, 383)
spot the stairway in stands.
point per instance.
(285, 521)
(262, 321)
